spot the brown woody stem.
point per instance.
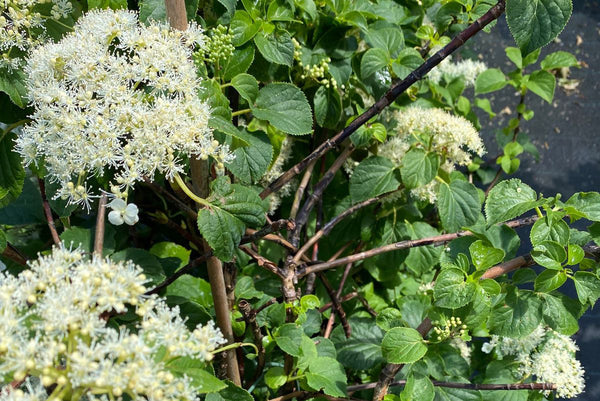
(48, 213)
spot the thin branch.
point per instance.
(100, 226)
(336, 305)
(305, 210)
(262, 261)
(466, 386)
(347, 297)
(389, 97)
(283, 224)
(333, 222)
(178, 202)
(12, 253)
(249, 316)
(48, 213)
(187, 269)
(301, 189)
(406, 244)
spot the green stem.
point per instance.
(226, 85)
(235, 345)
(12, 126)
(240, 112)
(189, 193)
(440, 179)
(539, 212)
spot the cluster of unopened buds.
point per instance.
(451, 328)
(219, 45)
(317, 72)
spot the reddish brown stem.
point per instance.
(48, 213)
(10, 252)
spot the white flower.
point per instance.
(123, 212)
(116, 94)
(466, 69)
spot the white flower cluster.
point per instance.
(21, 26)
(466, 69)
(275, 171)
(452, 137)
(54, 329)
(117, 97)
(546, 354)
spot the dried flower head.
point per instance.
(116, 96)
(55, 330)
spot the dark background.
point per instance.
(566, 134)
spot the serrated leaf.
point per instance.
(484, 255)
(458, 205)
(373, 176)
(13, 84)
(547, 230)
(328, 106)
(201, 379)
(403, 345)
(490, 80)
(558, 59)
(289, 338)
(239, 62)
(231, 393)
(276, 47)
(534, 23)
(372, 61)
(389, 39)
(542, 83)
(246, 85)
(417, 388)
(451, 290)
(549, 254)
(509, 199)
(243, 27)
(422, 258)
(327, 374)
(419, 167)
(362, 350)
(586, 203)
(252, 161)
(12, 174)
(457, 394)
(587, 286)
(285, 107)
(192, 288)
(549, 280)
(561, 313)
(518, 315)
(275, 377)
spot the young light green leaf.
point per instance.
(372, 61)
(550, 280)
(276, 47)
(534, 23)
(328, 107)
(419, 167)
(558, 59)
(518, 315)
(327, 374)
(575, 254)
(252, 161)
(373, 176)
(586, 203)
(509, 199)
(490, 80)
(289, 338)
(403, 345)
(275, 377)
(451, 290)
(458, 205)
(484, 255)
(587, 286)
(542, 83)
(246, 85)
(285, 107)
(231, 393)
(548, 230)
(549, 254)
(514, 54)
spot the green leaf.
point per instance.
(389, 318)
(276, 47)
(408, 60)
(550, 280)
(13, 84)
(534, 23)
(518, 315)
(251, 162)
(546, 229)
(558, 59)
(148, 262)
(389, 39)
(362, 350)
(231, 393)
(289, 338)
(422, 259)
(223, 223)
(484, 255)
(372, 61)
(542, 83)
(458, 205)
(575, 254)
(192, 288)
(239, 62)
(12, 174)
(275, 377)
(587, 286)
(243, 27)
(246, 85)
(451, 290)
(328, 106)
(417, 388)
(3, 242)
(419, 167)
(458, 394)
(372, 177)
(201, 379)
(285, 107)
(112, 4)
(403, 345)
(327, 374)
(514, 54)
(490, 80)
(586, 203)
(509, 199)
(549, 254)
(171, 250)
(561, 313)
